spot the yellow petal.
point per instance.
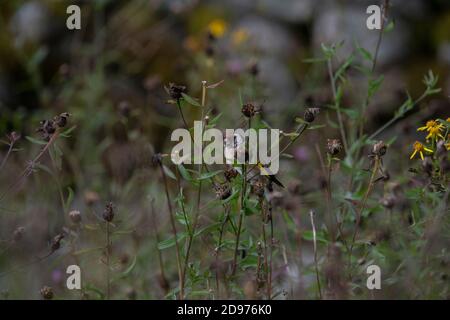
(421, 155)
(426, 149)
(413, 154)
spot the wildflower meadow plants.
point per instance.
(103, 190)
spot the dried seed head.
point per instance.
(18, 234)
(75, 216)
(61, 120)
(230, 172)
(248, 110)
(310, 114)
(388, 201)
(91, 197)
(176, 91)
(108, 213)
(13, 137)
(47, 292)
(223, 191)
(124, 109)
(157, 159)
(334, 146)
(253, 69)
(46, 129)
(56, 242)
(379, 149)
(258, 187)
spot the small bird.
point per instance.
(266, 172)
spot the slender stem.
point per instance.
(174, 231)
(241, 209)
(155, 231)
(199, 191)
(337, 104)
(108, 248)
(7, 155)
(316, 266)
(363, 204)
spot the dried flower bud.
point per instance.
(258, 188)
(230, 173)
(157, 159)
(13, 137)
(253, 69)
(61, 120)
(91, 197)
(388, 201)
(223, 191)
(310, 114)
(334, 146)
(18, 234)
(379, 149)
(248, 110)
(176, 91)
(108, 213)
(75, 216)
(124, 109)
(56, 242)
(46, 293)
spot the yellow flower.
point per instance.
(239, 36)
(419, 148)
(448, 120)
(430, 124)
(217, 27)
(434, 128)
(435, 132)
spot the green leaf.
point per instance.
(209, 175)
(66, 133)
(190, 100)
(168, 243)
(308, 235)
(169, 172)
(184, 173)
(88, 250)
(36, 141)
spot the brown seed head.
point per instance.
(13, 137)
(334, 146)
(108, 213)
(379, 149)
(230, 172)
(47, 292)
(61, 120)
(176, 91)
(223, 191)
(56, 242)
(75, 216)
(248, 110)
(18, 234)
(310, 114)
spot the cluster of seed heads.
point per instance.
(223, 191)
(48, 127)
(230, 172)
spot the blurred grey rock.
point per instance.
(348, 23)
(30, 23)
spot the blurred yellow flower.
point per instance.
(434, 129)
(217, 27)
(430, 124)
(239, 36)
(419, 148)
